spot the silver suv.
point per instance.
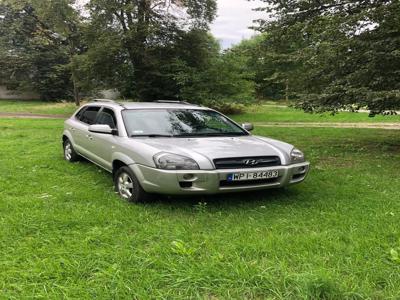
(176, 148)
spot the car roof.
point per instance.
(146, 105)
(141, 105)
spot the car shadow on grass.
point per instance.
(285, 196)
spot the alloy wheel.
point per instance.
(125, 185)
(68, 151)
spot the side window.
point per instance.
(107, 117)
(89, 115)
(80, 112)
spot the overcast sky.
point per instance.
(234, 18)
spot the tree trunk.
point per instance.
(287, 90)
(138, 50)
(77, 97)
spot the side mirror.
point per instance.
(247, 126)
(99, 128)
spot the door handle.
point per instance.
(89, 137)
(72, 128)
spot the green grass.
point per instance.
(37, 107)
(267, 113)
(272, 113)
(65, 234)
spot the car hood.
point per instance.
(219, 147)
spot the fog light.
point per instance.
(302, 169)
(188, 176)
(185, 185)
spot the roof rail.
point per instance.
(108, 101)
(103, 100)
(174, 101)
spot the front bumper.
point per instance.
(169, 182)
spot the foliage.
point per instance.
(219, 76)
(229, 108)
(105, 64)
(268, 66)
(262, 66)
(131, 46)
(147, 52)
(326, 55)
(30, 59)
(149, 32)
(346, 51)
(235, 80)
(39, 40)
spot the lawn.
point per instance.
(65, 234)
(37, 107)
(259, 113)
(273, 113)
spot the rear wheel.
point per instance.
(69, 151)
(128, 187)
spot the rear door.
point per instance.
(81, 129)
(72, 124)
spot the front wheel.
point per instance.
(128, 187)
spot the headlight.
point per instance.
(296, 156)
(169, 161)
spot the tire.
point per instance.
(69, 151)
(128, 187)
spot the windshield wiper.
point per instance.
(211, 134)
(151, 135)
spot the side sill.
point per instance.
(109, 171)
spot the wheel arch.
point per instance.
(120, 160)
(116, 165)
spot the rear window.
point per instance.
(89, 115)
(80, 112)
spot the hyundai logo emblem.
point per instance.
(250, 162)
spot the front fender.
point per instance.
(123, 158)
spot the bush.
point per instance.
(228, 108)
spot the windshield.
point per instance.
(178, 123)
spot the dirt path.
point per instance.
(286, 106)
(393, 126)
(30, 116)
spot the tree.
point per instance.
(270, 67)
(205, 73)
(65, 21)
(148, 30)
(39, 40)
(105, 64)
(347, 51)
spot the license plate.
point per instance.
(253, 175)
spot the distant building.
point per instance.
(6, 94)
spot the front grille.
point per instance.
(225, 183)
(247, 162)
